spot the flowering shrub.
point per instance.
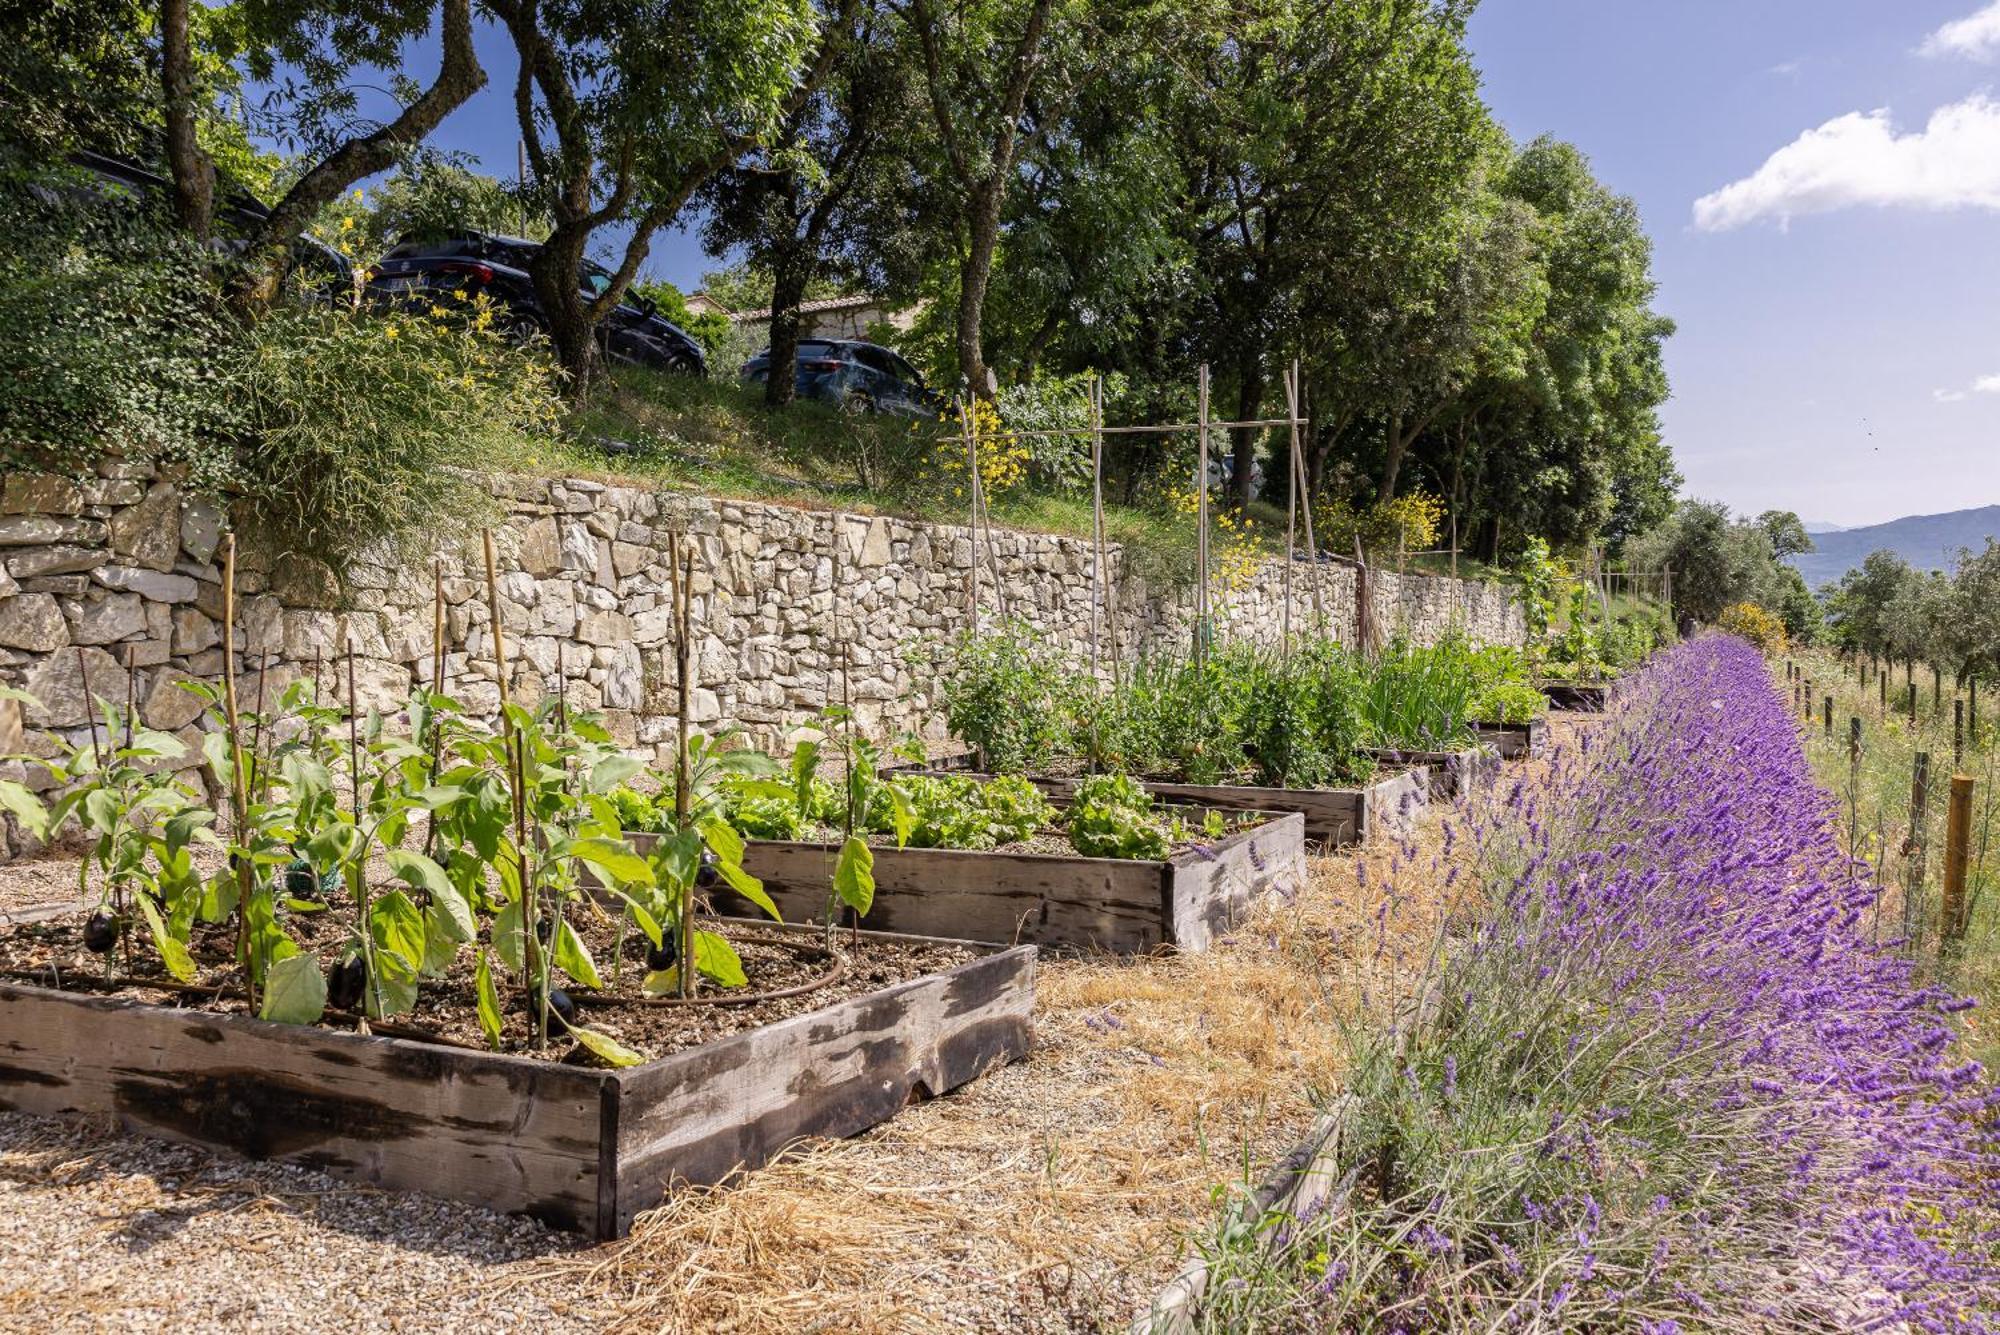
(1665, 1079)
(1754, 624)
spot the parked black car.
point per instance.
(418, 271)
(319, 267)
(853, 374)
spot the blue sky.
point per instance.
(1839, 309)
(1836, 301)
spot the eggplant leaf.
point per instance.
(606, 1048)
(294, 991)
(854, 875)
(173, 953)
(489, 1000)
(573, 957)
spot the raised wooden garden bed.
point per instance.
(1334, 817)
(1514, 741)
(1125, 906)
(1581, 697)
(577, 1148)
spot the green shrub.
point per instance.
(116, 341)
(1003, 694)
(366, 427)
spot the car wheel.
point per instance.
(860, 401)
(519, 326)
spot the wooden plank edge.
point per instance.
(1301, 1185)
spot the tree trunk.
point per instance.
(556, 271)
(268, 253)
(193, 173)
(974, 272)
(1249, 405)
(1392, 459)
(791, 269)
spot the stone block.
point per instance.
(105, 620)
(33, 621)
(149, 534)
(148, 583)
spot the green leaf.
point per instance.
(398, 930)
(715, 958)
(901, 814)
(615, 859)
(606, 1048)
(611, 771)
(101, 811)
(573, 957)
(854, 875)
(644, 917)
(427, 876)
(437, 796)
(441, 942)
(389, 995)
(489, 1000)
(25, 807)
(663, 982)
(332, 845)
(509, 942)
(173, 953)
(294, 991)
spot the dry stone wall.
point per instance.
(116, 578)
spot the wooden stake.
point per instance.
(1829, 718)
(1957, 850)
(1291, 515)
(1098, 590)
(1301, 417)
(517, 766)
(680, 568)
(239, 781)
(1913, 877)
(1201, 514)
(1957, 735)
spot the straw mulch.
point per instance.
(1060, 1193)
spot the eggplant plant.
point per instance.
(142, 821)
(697, 851)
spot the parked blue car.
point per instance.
(851, 374)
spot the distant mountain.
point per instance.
(1928, 542)
(1818, 526)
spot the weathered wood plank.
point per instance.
(1514, 741)
(1453, 774)
(701, 1115)
(1577, 697)
(507, 1132)
(1212, 888)
(1123, 906)
(1087, 903)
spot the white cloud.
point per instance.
(1986, 384)
(1790, 69)
(1974, 37)
(1859, 159)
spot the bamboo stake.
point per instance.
(1291, 512)
(1296, 400)
(680, 567)
(359, 870)
(531, 918)
(239, 782)
(972, 473)
(90, 707)
(1097, 518)
(1201, 515)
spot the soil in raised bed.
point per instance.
(446, 1009)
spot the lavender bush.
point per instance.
(1658, 1078)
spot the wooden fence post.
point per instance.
(1829, 718)
(1913, 848)
(1957, 852)
(1957, 735)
